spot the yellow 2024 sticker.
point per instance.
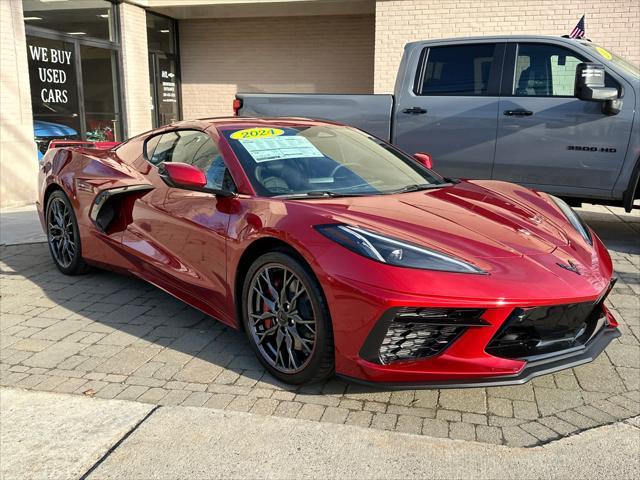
(604, 53)
(256, 132)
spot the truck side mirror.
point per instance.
(590, 86)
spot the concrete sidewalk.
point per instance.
(46, 435)
(20, 225)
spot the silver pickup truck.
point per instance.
(553, 113)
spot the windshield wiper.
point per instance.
(322, 193)
(417, 187)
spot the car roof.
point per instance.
(224, 123)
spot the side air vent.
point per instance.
(106, 206)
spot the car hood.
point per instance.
(480, 219)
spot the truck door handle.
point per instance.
(521, 112)
(414, 111)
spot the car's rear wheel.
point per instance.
(287, 320)
(63, 235)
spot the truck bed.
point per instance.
(371, 113)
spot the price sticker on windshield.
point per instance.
(280, 148)
(251, 133)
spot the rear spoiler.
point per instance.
(82, 144)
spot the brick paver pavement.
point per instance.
(110, 336)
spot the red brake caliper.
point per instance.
(267, 321)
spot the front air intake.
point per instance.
(549, 330)
(417, 333)
(546, 330)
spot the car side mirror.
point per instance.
(590, 87)
(188, 177)
(424, 159)
(182, 175)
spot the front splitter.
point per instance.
(532, 369)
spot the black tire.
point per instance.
(316, 365)
(68, 260)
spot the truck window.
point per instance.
(548, 71)
(457, 70)
(545, 71)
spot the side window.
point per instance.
(150, 145)
(545, 71)
(195, 148)
(176, 146)
(208, 159)
(164, 148)
(458, 70)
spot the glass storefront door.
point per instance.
(73, 57)
(164, 69)
(99, 91)
(164, 88)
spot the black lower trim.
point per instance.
(533, 368)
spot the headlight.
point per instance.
(393, 251)
(574, 219)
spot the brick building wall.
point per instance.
(611, 24)
(18, 157)
(322, 54)
(135, 71)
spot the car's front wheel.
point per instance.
(63, 235)
(287, 320)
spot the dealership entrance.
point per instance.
(164, 69)
(73, 58)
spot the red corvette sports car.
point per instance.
(335, 252)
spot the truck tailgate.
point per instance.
(371, 113)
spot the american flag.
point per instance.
(578, 31)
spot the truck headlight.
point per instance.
(574, 219)
(392, 251)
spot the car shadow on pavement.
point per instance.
(139, 329)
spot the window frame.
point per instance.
(507, 87)
(495, 73)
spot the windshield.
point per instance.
(614, 59)
(324, 160)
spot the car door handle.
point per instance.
(521, 112)
(414, 111)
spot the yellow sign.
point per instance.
(604, 53)
(251, 133)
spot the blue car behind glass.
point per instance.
(45, 132)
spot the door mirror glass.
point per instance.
(182, 175)
(424, 159)
(590, 84)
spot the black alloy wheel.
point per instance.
(63, 235)
(286, 319)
